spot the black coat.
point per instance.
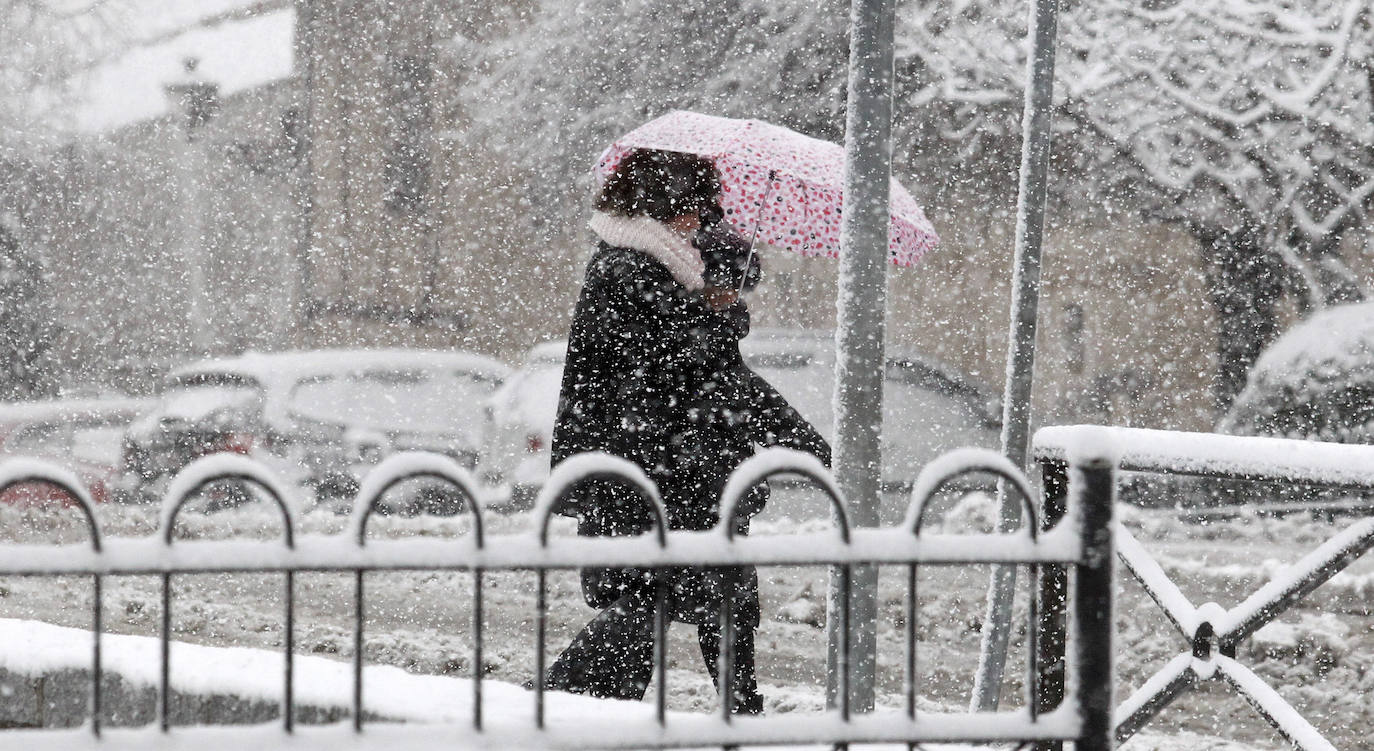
(736, 411)
(653, 375)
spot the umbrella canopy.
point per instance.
(783, 185)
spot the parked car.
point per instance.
(928, 408)
(350, 421)
(519, 428)
(81, 435)
(318, 418)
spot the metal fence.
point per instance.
(1211, 632)
(1082, 545)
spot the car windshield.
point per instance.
(199, 397)
(419, 401)
(98, 442)
(921, 417)
(42, 439)
(535, 399)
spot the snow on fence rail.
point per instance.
(1212, 631)
(1083, 544)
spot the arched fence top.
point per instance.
(575, 470)
(224, 466)
(776, 461)
(21, 470)
(408, 465)
(952, 465)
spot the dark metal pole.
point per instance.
(1030, 229)
(307, 49)
(1094, 489)
(1053, 594)
(859, 363)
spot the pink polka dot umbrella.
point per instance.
(783, 185)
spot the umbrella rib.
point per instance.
(758, 222)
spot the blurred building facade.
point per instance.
(343, 206)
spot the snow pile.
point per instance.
(805, 607)
(1315, 382)
(1320, 639)
(975, 512)
(32, 648)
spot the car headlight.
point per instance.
(369, 453)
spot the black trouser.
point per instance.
(613, 656)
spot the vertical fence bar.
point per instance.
(164, 685)
(911, 612)
(540, 636)
(846, 624)
(661, 648)
(725, 670)
(1053, 597)
(96, 671)
(1032, 691)
(844, 664)
(477, 649)
(288, 701)
(1093, 482)
(358, 651)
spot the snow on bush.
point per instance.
(1317, 639)
(805, 607)
(1315, 382)
(974, 513)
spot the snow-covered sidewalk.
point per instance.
(425, 711)
(31, 650)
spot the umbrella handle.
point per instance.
(758, 220)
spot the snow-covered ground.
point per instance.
(1318, 657)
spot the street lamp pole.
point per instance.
(198, 102)
(859, 332)
(1030, 230)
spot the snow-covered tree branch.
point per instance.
(45, 45)
(1248, 124)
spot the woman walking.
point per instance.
(649, 378)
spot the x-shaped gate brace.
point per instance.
(1213, 632)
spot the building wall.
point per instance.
(114, 231)
(1125, 333)
(361, 216)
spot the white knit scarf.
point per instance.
(654, 239)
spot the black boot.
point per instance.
(613, 656)
(743, 683)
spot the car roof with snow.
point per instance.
(277, 372)
(276, 368)
(548, 353)
(919, 368)
(801, 348)
(71, 409)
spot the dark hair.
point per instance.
(660, 184)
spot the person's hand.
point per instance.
(720, 298)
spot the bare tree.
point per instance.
(1249, 124)
(45, 46)
(573, 75)
(27, 331)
